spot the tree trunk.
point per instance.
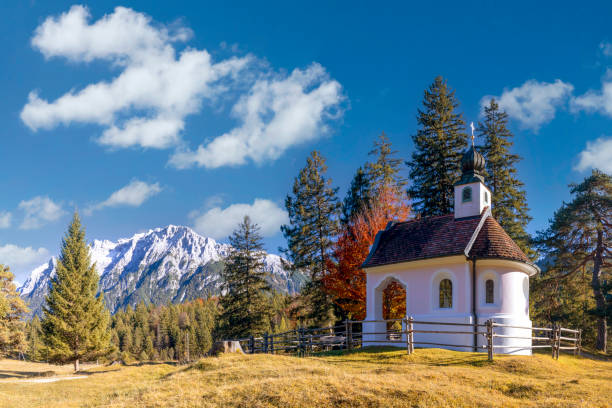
(600, 301)
(76, 365)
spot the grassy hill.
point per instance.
(371, 378)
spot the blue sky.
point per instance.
(193, 113)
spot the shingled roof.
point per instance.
(441, 236)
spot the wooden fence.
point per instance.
(351, 335)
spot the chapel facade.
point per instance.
(460, 267)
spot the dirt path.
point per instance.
(44, 380)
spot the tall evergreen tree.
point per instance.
(385, 170)
(436, 162)
(579, 237)
(507, 194)
(12, 311)
(75, 321)
(358, 196)
(246, 303)
(313, 215)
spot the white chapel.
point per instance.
(460, 267)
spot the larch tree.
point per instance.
(435, 164)
(385, 171)
(578, 238)
(345, 280)
(75, 321)
(313, 211)
(507, 193)
(246, 293)
(12, 312)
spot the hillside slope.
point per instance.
(170, 264)
(374, 378)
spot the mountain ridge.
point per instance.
(166, 264)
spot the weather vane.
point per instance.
(472, 126)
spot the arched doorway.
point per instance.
(389, 303)
(394, 307)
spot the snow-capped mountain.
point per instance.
(170, 264)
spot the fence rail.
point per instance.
(351, 333)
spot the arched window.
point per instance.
(489, 291)
(466, 194)
(446, 294)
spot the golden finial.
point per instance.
(472, 126)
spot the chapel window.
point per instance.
(446, 294)
(467, 194)
(489, 291)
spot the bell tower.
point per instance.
(471, 194)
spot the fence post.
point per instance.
(579, 342)
(558, 341)
(272, 344)
(554, 341)
(490, 339)
(405, 325)
(411, 333)
(350, 336)
(252, 344)
(310, 345)
(265, 343)
(301, 340)
(346, 337)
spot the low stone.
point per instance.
(225, 346)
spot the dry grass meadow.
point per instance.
(367, 378)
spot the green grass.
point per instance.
(366, 378)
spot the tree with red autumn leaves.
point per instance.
(346, 280)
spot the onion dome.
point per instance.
(472, 166)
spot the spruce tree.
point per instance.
(313, 215)
(358, 196)
(245, 300)
(385, 170)
(579, 238)
(12, 311)
(75, 321)
(436, 161)
(507, 194)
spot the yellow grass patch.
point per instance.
(372, 378)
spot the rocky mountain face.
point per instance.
(171, 264)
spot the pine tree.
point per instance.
(34, 338)
(436, 162)
(313, 215)
(358, 197)
(245, 303)
(75, 322)
(12, 311)
(507, 194)
(385, 171)
(579, 238)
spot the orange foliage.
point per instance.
(345, 281)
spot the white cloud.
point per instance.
(275, 115)
(595, 101)
(16, 257)
(132, 195)
(158, 87)
(219, 222)
(606, 48)
(533, 103)
(598, 155)
(147, 103)
(39, 211)
(5, 219)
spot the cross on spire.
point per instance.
(472, 126)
